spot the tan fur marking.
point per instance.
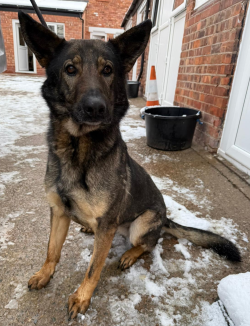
(131, 256)
(77, 59)
(200, 239)
(75, 130)
(141, 226)
(56, 203)
(58, 233)
(87, 210)
(79, 301)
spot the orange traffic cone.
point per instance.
(152, 89)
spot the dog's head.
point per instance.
(85, 86)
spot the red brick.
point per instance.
(225, 81)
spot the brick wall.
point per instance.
(208, 59)
(105, 13)
(177, 3)
(73, 29)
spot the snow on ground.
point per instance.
(131, 128)
(19, 291)
(22, 113)
(234, 292)
(170, 284)
(6, 225)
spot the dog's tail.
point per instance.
(206, 239)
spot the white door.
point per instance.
(174, 53)
(161, 67)
(235, 142)
(22, 51)
(24, 58)
(153, 54)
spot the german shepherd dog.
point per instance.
(90, 177)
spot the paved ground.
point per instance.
(175, 285)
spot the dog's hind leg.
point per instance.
(79, 301)
(59, 229)
(143, 234)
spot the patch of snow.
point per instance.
(158, 264)
(23, 111)
(31, 161)
(13, 304)
(8, 177)
(132, 129)
(181, 248)
(213, 315)
(166, 183)
(234, 292)
(20, 290)
(6, 225)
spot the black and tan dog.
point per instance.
(90, 176)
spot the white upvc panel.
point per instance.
(199, 3)
(174, 53)
(235, 140)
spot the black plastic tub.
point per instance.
(170, 128)
(133, 88)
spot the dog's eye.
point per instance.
(71, 70)
(107, 71)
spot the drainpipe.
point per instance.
(143, 55)
(38, 12)
(80, 16)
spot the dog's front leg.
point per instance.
(80, 300)
(59, 229)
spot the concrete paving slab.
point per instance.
(174, 285)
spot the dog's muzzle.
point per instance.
(92, 110)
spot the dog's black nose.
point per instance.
(95, 107)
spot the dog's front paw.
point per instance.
(40, 279)
(77, 304)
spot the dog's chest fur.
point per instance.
(76, 188)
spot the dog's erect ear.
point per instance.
(41, 41)
(132, 43)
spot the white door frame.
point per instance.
(14, 23)
(138, 21)
(227, 148)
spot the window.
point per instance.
(58, 29)
(129, 24)
(155, 12)
(141, 13)
(98, 36)
(199, 3)
(21, 40)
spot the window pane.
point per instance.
(60, 31)
(52, 28)
(155, 12)
(98, 37)
(21, 40)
